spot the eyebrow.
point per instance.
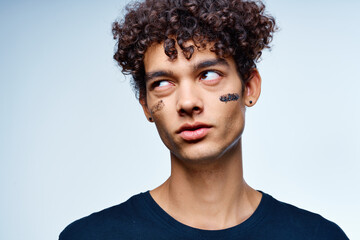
(210, 63)
(205, 64)
(151, 75)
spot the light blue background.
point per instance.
(73, 139)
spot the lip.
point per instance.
(193, 132)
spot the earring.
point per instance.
(150, 119)
(250, 102)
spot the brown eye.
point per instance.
(210, 77)
(161, 84)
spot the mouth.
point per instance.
(193, 132)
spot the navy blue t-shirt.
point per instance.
(141, 217)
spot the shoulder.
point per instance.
(305, 222)
(328, 230)
(114, 221)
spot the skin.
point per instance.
(206, 188)
(157, 107)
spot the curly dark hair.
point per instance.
(236, 28)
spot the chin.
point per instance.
(200, 155)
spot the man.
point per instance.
(193, 66)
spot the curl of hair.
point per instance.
(236, 28)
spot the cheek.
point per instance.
(234, 118)
(157, 107)
(163, 122)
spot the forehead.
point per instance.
(156, 59)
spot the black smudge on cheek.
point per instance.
(229, 97)
(157, 107)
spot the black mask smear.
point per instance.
(229, 97)
(157, 107)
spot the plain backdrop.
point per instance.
(74, 140)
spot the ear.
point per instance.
(146, 110)
(252, 88)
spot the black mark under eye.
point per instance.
(157, 107)
(229, 97)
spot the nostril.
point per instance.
(189, 107)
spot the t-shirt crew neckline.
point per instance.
(239, 230)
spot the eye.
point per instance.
(161, 84)
(210, 76)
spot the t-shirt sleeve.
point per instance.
(328, 230)
(74, 231)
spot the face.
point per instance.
(197, 104)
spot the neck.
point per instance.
(210, 195)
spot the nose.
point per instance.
(189, 101)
